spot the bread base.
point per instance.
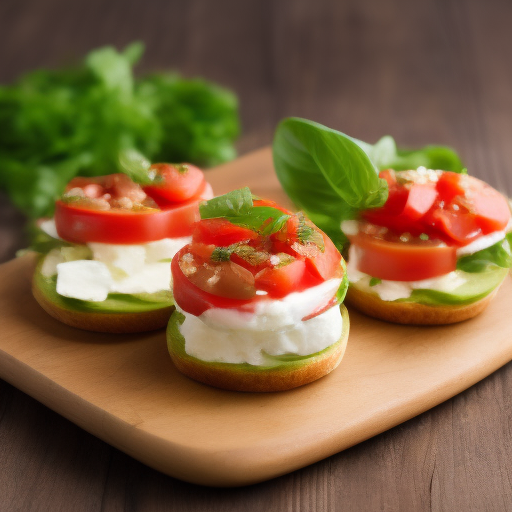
(254, 378)
(121, 323)
(411, 313)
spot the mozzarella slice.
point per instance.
(150, 278)
(84, 280)
(249, 346)
(128, 258)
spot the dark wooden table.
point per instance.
(437, 71)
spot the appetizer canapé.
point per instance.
(106, 261)
(425, 246)
(257, 296)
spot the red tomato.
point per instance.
(179, 182)
(221, 232)
(450, 186)
(78, 222)
(193, 299)
(462, 229)
(402, 261)
(326, 264)
(456, 209)
(280, 281)
(419, 201)
(490, 207)
(277, 264)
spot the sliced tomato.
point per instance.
(280, 281)
(450, 185)
(402, 261)
(490, 207)
(456, 209)
(221, 232)
(419, 201)
(193, 299)
(326, 264)
(177, 182)
(461, 229)
(79, 223)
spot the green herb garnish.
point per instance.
(57, 124)
(237, 207)
(498, 255)
(332, 177)
(221, 254)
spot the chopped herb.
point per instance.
(284, 259)
(307, 234)
(221, 254)
(424, 236)
(374, 281)
(251, 255)
(181, 168)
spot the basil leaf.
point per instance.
(326, 174)
(498, 255)
(343, 288)
(237, 207)
(233, 204)
(385, 155)
(136, 166)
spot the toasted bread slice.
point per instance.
(412, 313)
(279, 376)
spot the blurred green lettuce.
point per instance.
(56, 124)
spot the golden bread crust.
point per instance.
(411, 313)
(121, 323)
(279, 379)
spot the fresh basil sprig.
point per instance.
(237, 207)
(332, 176)
(136, 166)
(326, 174)
(498, 255)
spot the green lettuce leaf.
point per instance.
(498, 255)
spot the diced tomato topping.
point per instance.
(175, 182)
(229, 266)
(491, 209)
(454, 208)
(419, 201)
(280, 281)
(462, 229)
(326, 264)
(193, 299)
(449, 186)
(425, 219)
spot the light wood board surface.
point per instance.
(125, 390)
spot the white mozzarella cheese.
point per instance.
(150, 278)
(128, 258)
(84, 280)
(249, 345)
(165, 249)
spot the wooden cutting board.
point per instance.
(125, 390)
